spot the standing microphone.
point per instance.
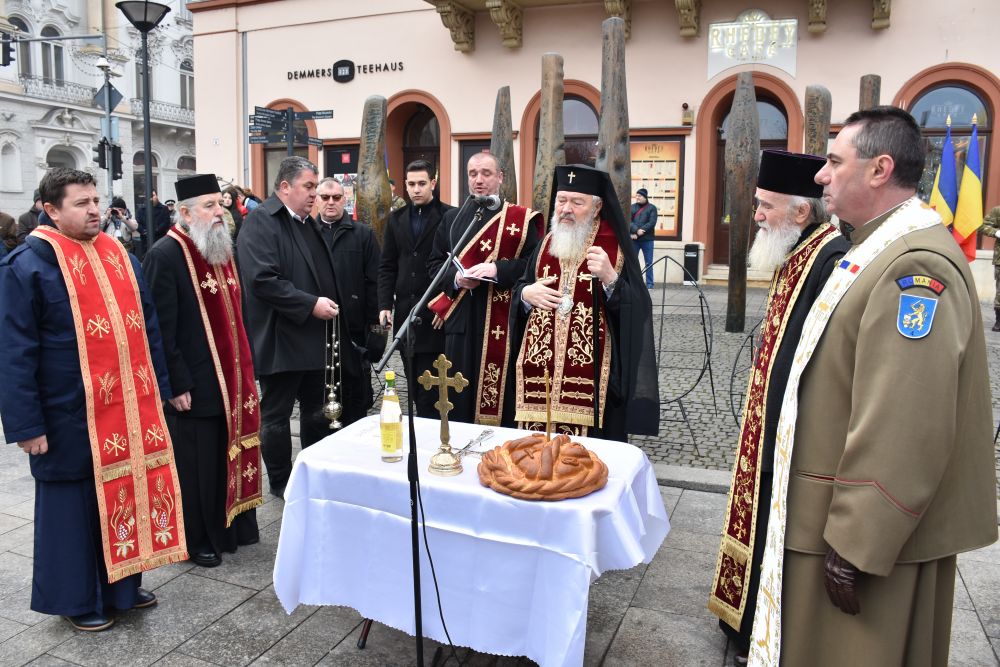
(491, 202)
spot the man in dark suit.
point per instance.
(402, 274)
(289, 286)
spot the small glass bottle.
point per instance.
(391, 418)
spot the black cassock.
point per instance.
(466, 328)
(199, 435)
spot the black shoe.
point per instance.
(206, 559)
(741, 658)
(144, 599)
(92, 622)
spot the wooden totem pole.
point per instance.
(613, 152)
(502, 145)
(551, 139)
(373, 194)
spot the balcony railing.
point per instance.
(172, 113)
(57, 91)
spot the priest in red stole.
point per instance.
(83, 378)
(795, 241)
(214, 417)
(588, 248)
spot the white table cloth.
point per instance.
(514, 575)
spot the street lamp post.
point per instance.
(105, 66)
(145, 16)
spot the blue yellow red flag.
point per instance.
(944, 196)
(969, 212)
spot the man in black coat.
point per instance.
(354, 253)
(402, 274)
(28, 220)
(161, 223)
(289, 288)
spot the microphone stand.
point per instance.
(412, 469)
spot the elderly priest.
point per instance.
(214, 417)
(553, 310)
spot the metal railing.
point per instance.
(173, 113)
(47, 88)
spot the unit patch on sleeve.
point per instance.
(916, 315)
(909, 282)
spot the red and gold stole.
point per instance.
(217, 288)
(138, 497)
(732, 570)
(503, 237)
(564, 345)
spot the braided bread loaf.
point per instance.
(532, 468)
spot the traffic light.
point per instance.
(101, 153)
(116, 162)
(7, 51)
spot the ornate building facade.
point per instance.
(48, 113)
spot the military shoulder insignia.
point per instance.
(909, 282)
(916, 315)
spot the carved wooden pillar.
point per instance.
(871, 90)
(742, 162)
(374, 195)
(502, 145)
(612, 135)
(551, 139)
(818, 106)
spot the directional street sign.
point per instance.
(314, 141)
(314, 115)
(260, 140)
(261, 111)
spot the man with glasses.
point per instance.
(355, 256)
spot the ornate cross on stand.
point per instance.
(444, 463)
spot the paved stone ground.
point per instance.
(649, 615)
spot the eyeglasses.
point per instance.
(333, 197)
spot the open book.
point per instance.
(461, 271)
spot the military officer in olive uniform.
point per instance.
(891, 468)
(991, 225)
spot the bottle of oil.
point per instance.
(391, 418)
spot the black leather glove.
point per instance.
(841, 583)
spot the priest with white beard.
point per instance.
(796, 242)
(587, 255)
(214, 419)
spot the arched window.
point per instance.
(60, 157)
(421, 141)
(932, 109)
(23, 48)
(187, 84)
(52, 58)
(187, 163)
(773, 123)
(580, 127)
(10, 168)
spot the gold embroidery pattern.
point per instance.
(108, 381)
(250, 404)
(154, 436)
(145, 377)
(122, 524)
(538, 340)
(115, 261)
(249, 472)
(98, 326)
(513, 229)
(210, 283)
(133, 320)
(163, 508)
(491, 382)
(115, 445)
(581, 337)
(486, 245)
(501, 295)
(78, 264)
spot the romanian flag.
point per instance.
(969, 212)
(944, 196)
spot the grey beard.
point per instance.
(770, 247)
(212, 241)
(569, 241)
